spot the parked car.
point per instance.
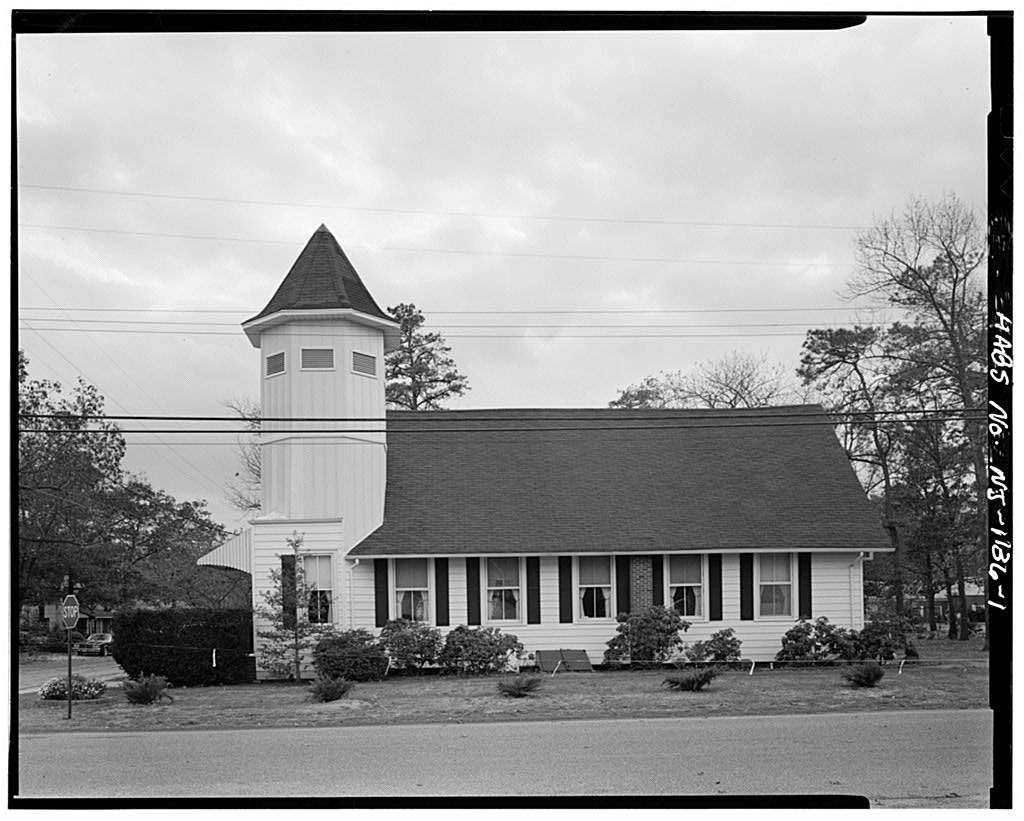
(97, 644)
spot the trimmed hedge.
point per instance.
(178, 644)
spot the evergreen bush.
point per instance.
(691, 680)
(824, 641)
(411, 644)
(519, 686)
(650, 636)
(351, 654)
(178, 643)
(146, 689)
(478, 650)
(867, 674)
(329, 689)
(722, 646)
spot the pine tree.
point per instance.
(420, 373)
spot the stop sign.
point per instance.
(69, 612)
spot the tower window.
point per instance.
(318, 359)
(275, 363)
(364, 363)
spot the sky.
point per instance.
(693, 184)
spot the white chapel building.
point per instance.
(545, 523)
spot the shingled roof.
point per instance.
(618, 481)
(322, 277)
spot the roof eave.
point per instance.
(254, 328)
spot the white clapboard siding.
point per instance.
(834, 576)
(316, 475)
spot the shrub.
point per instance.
(880, 639)
(691, 680)
(33, 635)
(722, 646)
(351, 654)
(650, 636)
(55, 642)
(798, 643)
(478, 650)
(519, 686)
(178, 643)
(82, 688)
(329, 689)
(146, 689)
(867, 674)
(411, 644)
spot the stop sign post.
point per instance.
(69, 615)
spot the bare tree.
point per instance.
(736, 380)
(929, 261)
(243, 490)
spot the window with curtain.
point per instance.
(503, 591)
(595, 587)
(684, 584)
(776, 584)
(316, 571)
(411, 589)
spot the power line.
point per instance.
(425, 212)
(598, 414)
(248, 313)
(447, 336)
(198, 475)
(456, 251)
(562, 429)
(193, 323)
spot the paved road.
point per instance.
(897, 759)
(32, 673)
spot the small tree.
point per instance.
(290, 633)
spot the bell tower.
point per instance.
(322, 340)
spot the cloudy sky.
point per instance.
(172, 180)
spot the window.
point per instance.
(776, 584)
(275, 363)
(411, 589)
(503, 592)
(595, 584)
(684, 584)
(317, 577)
(364, 363)
(318, 359)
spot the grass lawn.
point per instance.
(940, 681)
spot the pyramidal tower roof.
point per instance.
(322, 278)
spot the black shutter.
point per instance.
(715, 587)
(622, 598)
(565, 589)
(289, 595)
(803, 583)
(533, 590)
(380, 591)
(658, 580)
(473, 590)
(441, 592)
(747, 586)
